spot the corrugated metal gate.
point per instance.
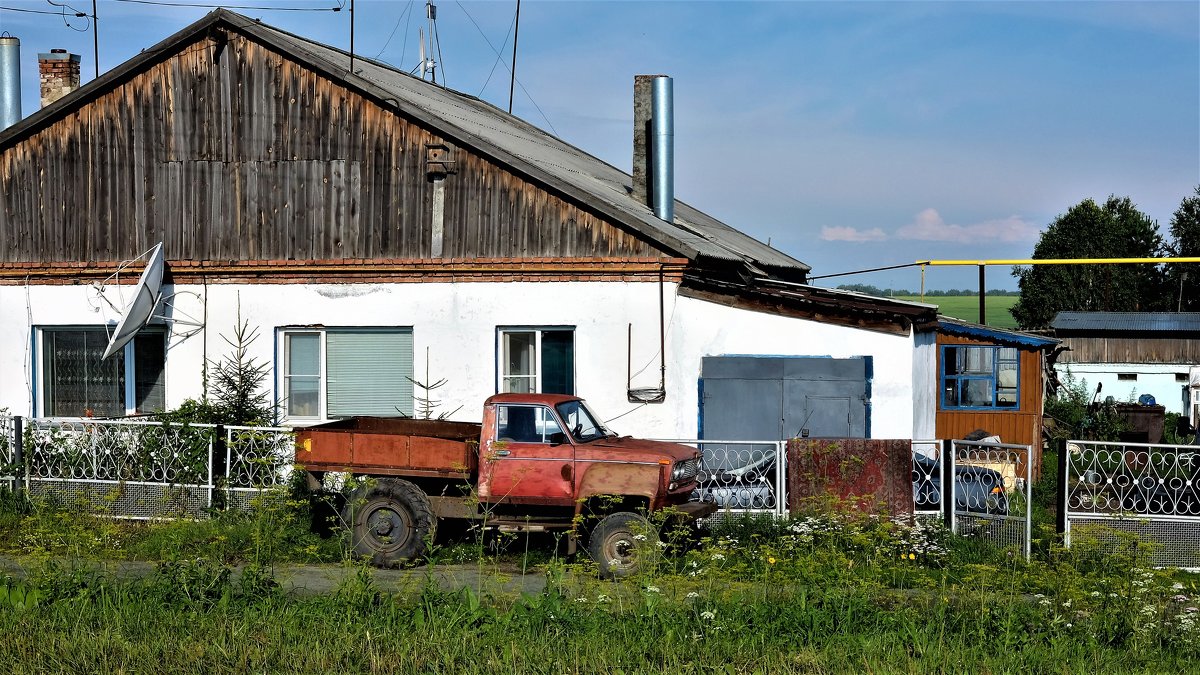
(136, 469)
(1152, 491)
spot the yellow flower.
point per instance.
(770, 560)
(912, 556)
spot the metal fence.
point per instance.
(928, 477)
(992, 492)
(8, 450)
(142, 469)
(1152, 491)
(742, 477)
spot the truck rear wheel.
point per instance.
(620, 542)
(390, 522)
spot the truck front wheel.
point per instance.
(390, 522)
(620, 543)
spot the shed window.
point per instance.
(77, 382)
(536, 360)
(980, 377)
(342, 372)
(1127, 377)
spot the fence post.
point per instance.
(219, 455)
(18, 456)
(947, 486)
(1060, 513)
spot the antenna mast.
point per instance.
(428, 64)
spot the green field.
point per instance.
(966, 307)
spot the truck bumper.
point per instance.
(694, 510)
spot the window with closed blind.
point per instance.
(77, 382)
(343, 372)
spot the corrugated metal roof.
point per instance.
(1141, 322)
(479, 124)
(962, 328)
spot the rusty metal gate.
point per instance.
(1148, 490)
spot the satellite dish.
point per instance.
(140, 309)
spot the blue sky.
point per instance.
(852, 135)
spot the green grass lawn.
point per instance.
(966, 307)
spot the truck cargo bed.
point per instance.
(397, 446)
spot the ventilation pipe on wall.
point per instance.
(10, 81)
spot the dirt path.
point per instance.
(318, 579)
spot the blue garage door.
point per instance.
(776, 398)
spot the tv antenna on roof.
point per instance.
(147, 297)
(428, 64)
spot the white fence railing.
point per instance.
(1152, 491)
(144, 469)
(742, 477)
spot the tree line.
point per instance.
(1114, 229)
(900, 292)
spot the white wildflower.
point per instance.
(693, 594)
(718, 556)
(652, 589)
(708, 616)
(639, 537)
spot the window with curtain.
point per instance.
(343, 372)
(980, 377)
(77, 382)
(537, 360)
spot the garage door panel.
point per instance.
(746, 409)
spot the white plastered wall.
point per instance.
(457, 323)
(1168, 383)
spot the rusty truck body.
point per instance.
(537, 462)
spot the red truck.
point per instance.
(538, 462)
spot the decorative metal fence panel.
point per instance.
(1152, 491)
(142, 469)
(992, 493)
(928, 477)
(742, 477)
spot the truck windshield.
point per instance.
(580, 421)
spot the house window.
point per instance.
(77, 382)
(1127, 377)
(980, 377)
(537, 360)
(343, 372)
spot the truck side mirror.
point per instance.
(557, 438)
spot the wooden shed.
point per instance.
(992, 380)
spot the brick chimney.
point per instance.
(59, 73)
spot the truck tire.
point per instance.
(390, 522)
(620, 543)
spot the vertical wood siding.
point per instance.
(241, 154)
(1114, 349)
(1022, 426)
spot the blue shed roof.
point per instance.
(952, 326)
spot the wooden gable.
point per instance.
(227, 150)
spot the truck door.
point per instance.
(528, 459)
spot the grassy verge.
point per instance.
(831, 591)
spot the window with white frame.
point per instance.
(536, 360)
(76, 381)
(343, 372)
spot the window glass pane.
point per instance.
(77, 381)
(976, 360)
(977, 393)
(149, 361)
(518, 424)
(304, 354)
(518, 354)
(558, 362)
(368, 372)
(950, 387)
(519, 385)
(303, 380)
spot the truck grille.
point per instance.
(690, 469)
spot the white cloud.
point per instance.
(928, 225)
(852, 234)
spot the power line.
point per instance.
(394, 28)
(39, 11)
(518, 81)
(255, 7)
